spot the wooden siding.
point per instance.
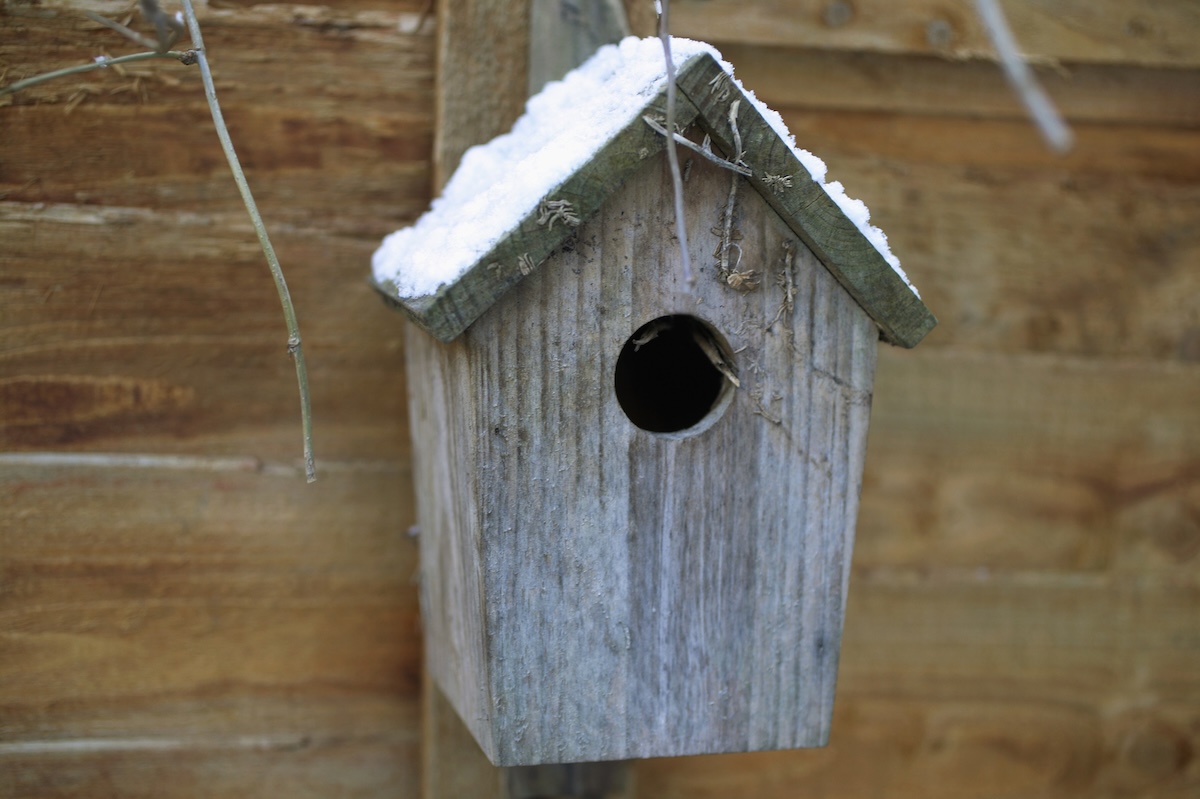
(1024, 605)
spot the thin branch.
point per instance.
(100, 63)
(672, 153)
(289, 312)
(741, 169)
(131, 35)
(1037, 103)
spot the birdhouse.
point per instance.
(637, 483)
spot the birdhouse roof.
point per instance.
(515, 200)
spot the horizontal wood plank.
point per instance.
(175, 629)
(1143, 32)
(137, 595)
(1032, 464)
(351, 764)
(1044, 639)
(950, 750)
(131, 330)
(866, 81)
(138, 313)
(1093, 255)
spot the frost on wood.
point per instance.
(500, 183)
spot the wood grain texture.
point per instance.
(170, 619)
(1094, 255)
(794, 77)
(349, 765)
(452, 764)
(596, 592)
(138, 314)
(114, 339)
(179, 614)
(1143, 32)
(909, 748)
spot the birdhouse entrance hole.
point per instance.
(671, 376)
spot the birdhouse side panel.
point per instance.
(446, 484)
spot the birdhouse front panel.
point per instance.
(638, 493)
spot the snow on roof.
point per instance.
(499, 183)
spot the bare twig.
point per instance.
(1041, 110)
(707, 152)
(239, 177)
(672, 153)
(723, 267)
(168, 31)
(100, 63)
(131, 35)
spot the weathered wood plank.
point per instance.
(864, 81)
(915, 749)
(141, 585)
(133, 330)
(1096, 254)
(348, 764)
(1164, 154)
(352, 115)
(1046, 638)
(452, 764)
(564, 33)
(1143, 32)
(211, 622)
(1046, 414)
(1032, 465)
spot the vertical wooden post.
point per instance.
(482, 76)
(491, 57)
(564, 33)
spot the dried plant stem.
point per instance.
(1037, 103)
(705, 150)
(239, 177)
(724, 268)
(100, 63)
(672, 152)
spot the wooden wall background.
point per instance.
(180, 615)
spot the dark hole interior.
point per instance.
(664, 380)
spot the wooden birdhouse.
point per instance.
(637, 488)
